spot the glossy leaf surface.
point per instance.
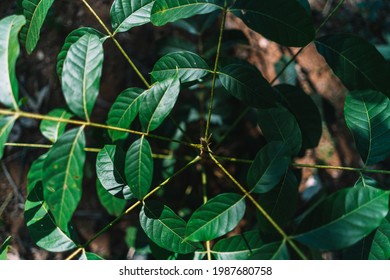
(165, 228)
(216, 217)
(88, 256)
(63, 175)
(367, 114)
(81, 75)
(123, 112)
(285, 22)
(52, 130)
(110, 164)
(380, 247)
(113, 205)
(35, 12)
(9, 52)
(4, 248)
(139, 167)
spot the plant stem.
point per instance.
(132, 207)
(259, 207)
(92, 124)
(339, 4)
(204, 189)
(224, 13)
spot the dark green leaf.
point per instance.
(188, 65)
(123, 111)
(175, 44)
(72, 38)
(9, 52)
(356, 62)
(305, 111)
(344, 218)
(35, 12)
(87, 256)
(110, 164)
(114, 206)
(4, 248)
(165, 11)
(165, 228)
(34, 175)
(285, 22)
(158, 103)
(268, 167)
(52, 130)
(139, 167)
(126, 14)
(367, 114)
(249, 245)
(278, 124)
(380, 247)
(41, 226)
(63, 175)
(246, 83)
(81, 75)
(216, 217)
(6, 124)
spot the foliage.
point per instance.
(128, 169)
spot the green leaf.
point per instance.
(278, 124)
(165, 11)
(123, 111)
(63, 175)
(285, 22)
(81, 75)
(114, 206)
(305, 111)
(216, 217)
(139, 167)
(268, 167)
(280, 203)
(190, 67)
(72, 38)
(249, 246)
(9, 52)
(126, 14)
(380, 247)
(158, 103)
(356, 62)
(88, 256)
(110, 164)
(344, 218)
(52, 130)
(41, 225)
(6, 124)
(4, 248)
(367, 114)
(35, 12)
(165, 228)
(34, 175)
(246, 83)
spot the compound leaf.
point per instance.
(52, 130)
(216, 217)
(278, 124)
(268, 167)
(9, 52)
(126, 14)
(81, 75)
(6, 124)
(158, 103)
(246, 83)
(247, 246)
(357, 63)
(165, 228)
(35, 12)
(367, 114)
(123, 111)
(165, 11)
(139, 167)
(72, 38)
(190, 67)
(63, 175)
(285, 22)
(380, 247)
(110, 164)
(344, 218)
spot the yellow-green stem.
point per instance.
(204, 189)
